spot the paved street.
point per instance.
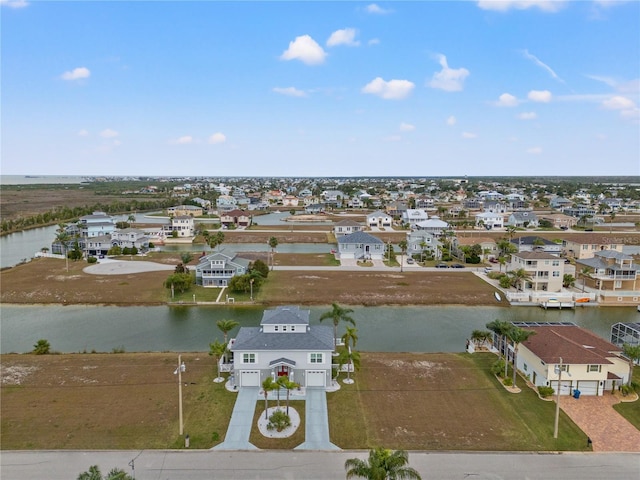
(296, 465)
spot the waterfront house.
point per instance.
(523, 220)
(216, 269)
(379, 219)
(283, 345)
(489, 220)
(590, 364)
(183, 225)
(360, 245)
(545, 271)
(346, 227)
(237, 218)
(185, 210)
(96, 224)
(614, 275)
(413, 216)
(130, 238)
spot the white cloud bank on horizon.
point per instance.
(76, 74)
(305, 49)
(14, 3)
(346, 36)
(391, 90)
(448, 79)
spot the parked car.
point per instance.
(410, 260)
(442, 265)
(457, 265)
(488, 269)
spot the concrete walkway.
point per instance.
(237, 437)
(608, 430)
(316, 422)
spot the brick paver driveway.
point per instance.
(609, 431)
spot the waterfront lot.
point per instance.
(412, 401)
(46, 280)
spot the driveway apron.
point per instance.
(237, 437)
(608, 430)
(316, 421)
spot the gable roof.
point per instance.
(317, 337)
(591, 239)
(285, 315)
(530, 239)
(574, 344)
(359, 237)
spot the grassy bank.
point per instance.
(130, 401)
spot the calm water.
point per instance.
(393, 329)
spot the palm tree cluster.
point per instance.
(507, 332)
(382, 464)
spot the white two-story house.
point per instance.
(283, 345)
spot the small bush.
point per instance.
(545, 391)
(507, 382)
(92, 259)
(42, 347)
(498, 367)
(278, 421)
(119, 349)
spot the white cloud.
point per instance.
(631, 86)
(504, 5)
(290, 91)
(374, 41)
(407, 127)
(451, 121)
(217, 137)
(469, 135)
(448, 79)
(184, 140)
(391, 90)
(618, 103)
(376, 9)
(345, 36)
(507, 100)
(76, 74)
(108, 133)
(305, 49)
(534, 151)
(541, 96)
(14, 3)
(527, 116)
(542, 65)
(83, 133)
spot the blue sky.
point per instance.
(527, 87)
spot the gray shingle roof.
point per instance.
(319, 337)
(285, 315)
(359, 237)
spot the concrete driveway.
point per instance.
(316, 435)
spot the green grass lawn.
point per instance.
(631, 410)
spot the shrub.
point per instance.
(545, 391)
(498, 367)
(507, 381)
(278, 421)
(505, 282)
(42, 347)
(92, 259)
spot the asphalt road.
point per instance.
(294, 465)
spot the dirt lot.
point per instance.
(377, 288)
(127, 401)
(46, 280)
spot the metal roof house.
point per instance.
(283, 344)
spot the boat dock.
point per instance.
(557, 304)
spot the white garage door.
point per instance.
(315, 378)
(250, 378)
(566, 387)
(588, 388)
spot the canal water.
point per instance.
(162, 328)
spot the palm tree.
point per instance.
(423, 245)
(216, 240)
(225, 326)
(518, 277)
(382, 464)
(511, 229)
(289, 385)
(585, 273)
(218, 350)
(273, 243)
(268, 385)
(500, 328)
(480, 336)
(632, 352)
(338, 313)
(350, 337)
(403, 250)
(517, 335)
(63, 237)
(351, 358)
(94, 473)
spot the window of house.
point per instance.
(556, 263)
(556, 273)
(275, 328)
(594, 368)
(316, 357)
(293, 328)
(284, 328)
(525, 367)
(565, 368)
(248, 358)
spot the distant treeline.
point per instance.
(67, 214)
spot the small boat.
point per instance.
(498, 297)
(639, 308)
(583, 300)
